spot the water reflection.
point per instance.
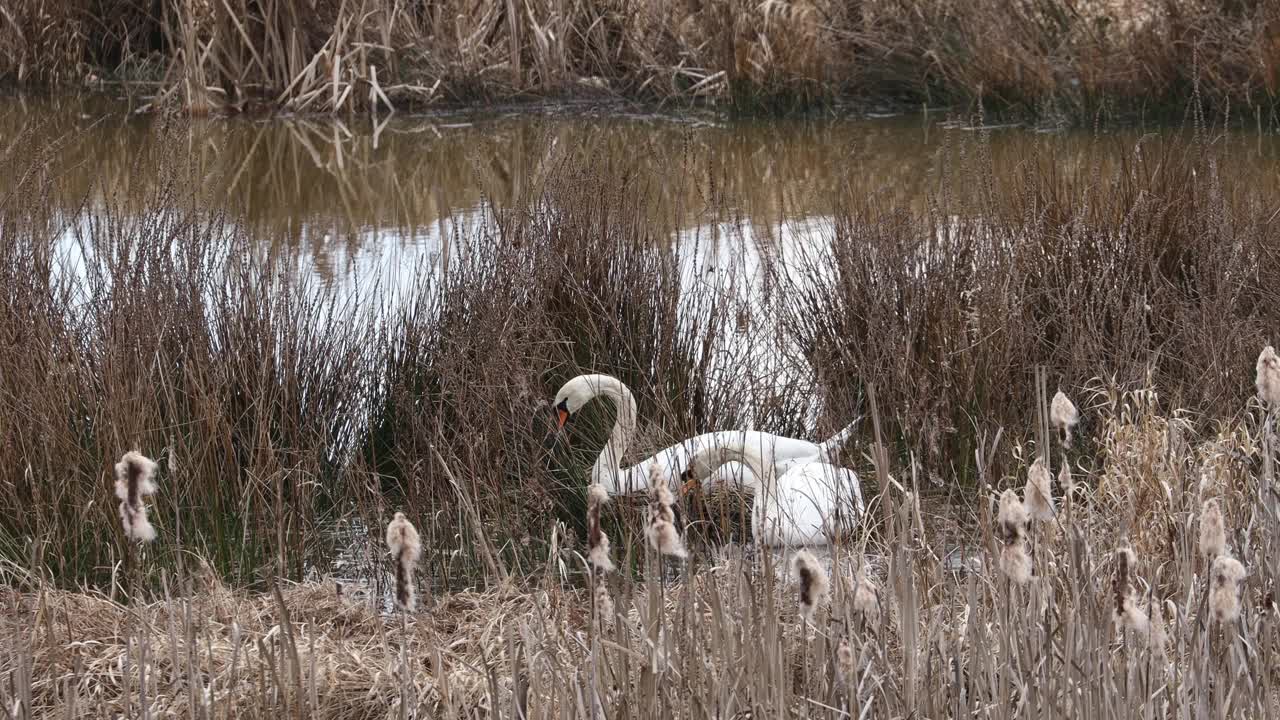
(335, 189)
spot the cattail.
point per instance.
(1011, 523)
(1038, 495)
(808, 573)
(597, 540)
(845, 669)
(661, 530)
(1064, 416)
(1268, 380)
(135, 481)
(1015, 563)
(1126, 561)
(604, 603)
(405, 547)
(1011, 529)
(1065, 480)
(1157, 639)
(1213, 530)
(1224, 599)
(866, 599)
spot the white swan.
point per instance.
(777, 452)
(803, 507)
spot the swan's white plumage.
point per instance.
(804, 506)
(781, 453)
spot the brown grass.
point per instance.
(1038, 57)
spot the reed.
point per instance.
(1032, 57)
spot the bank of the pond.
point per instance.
(1069, 62)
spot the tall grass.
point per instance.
(1034, 57)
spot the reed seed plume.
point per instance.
(1213, 530)
(1268, 379)
(845, 669)
(1038, 494)
(135, 480)
(1224, 598)
(597, 539)
(1064, 416)
(661, 529)
(812, 579)
(405, 548)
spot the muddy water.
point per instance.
(345, 193)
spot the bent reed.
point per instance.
(1043, 58)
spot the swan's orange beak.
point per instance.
(562, 416)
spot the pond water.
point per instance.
(348, 194)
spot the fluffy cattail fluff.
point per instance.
(845, 669)
(604, 603)
(405, 547)
(1038, 495)
(661, 529)
(1065, 480)
(135, 480)
(1213, 530)
(1064, 416)
(597, 540)
(812, 579)
(866, 599)
(1224, 598)
(1268, 380)
(1011, 530)
(1125, 608)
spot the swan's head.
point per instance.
(573, 395)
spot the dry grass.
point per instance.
(1040, 57)
(724, 635)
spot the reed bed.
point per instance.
(1125, 612)
(1054, 60)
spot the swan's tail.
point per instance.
(827, 450)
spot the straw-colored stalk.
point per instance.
(135, 480)
(405, 548)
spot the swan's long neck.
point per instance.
(605, 471)
(708, 461)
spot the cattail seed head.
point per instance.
(1065, 480)
(604, 603)
(1038, 494)
(405, 547)
(135, 481)
(597, 539)
(661, 530)
(1268, 379)
(1011, 523)
(1064, 416)
(845, 669)
(1213, 530)
(1224, 598)
(866, 599)
(812, 579)
(1015, 563)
